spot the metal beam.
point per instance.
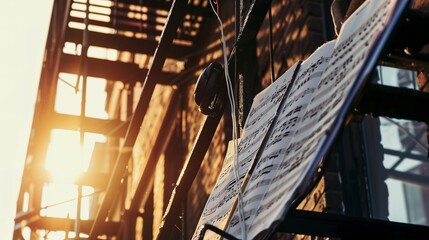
(145, 184)
(111, 128)
(406, 154)
(111, 70)
(176, 14)
(410, 178)
(129, 25)
(123, 43)
(91, 178)
(187, 175)
(64, 224)
(166, 5)
(395, 102)
(348, 227)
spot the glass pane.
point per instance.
(397, 77)
(403, 150)
(404, 167)
(68, 98)
(96, 98)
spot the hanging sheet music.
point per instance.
(223, 196)
(285, 128)
(299, 132)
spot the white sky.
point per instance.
(23, 31)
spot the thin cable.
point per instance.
(67, 201)
(63, 202)
(234, 125)
(270, 39)
(67, 83)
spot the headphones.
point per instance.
(209, 93)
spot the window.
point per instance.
(403, 153)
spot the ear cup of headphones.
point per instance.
(210, 90)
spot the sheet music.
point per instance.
(313, 109)
(263, 110)
(219, 204)
(299, 156)
(286, 124)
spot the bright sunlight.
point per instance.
(66, 158)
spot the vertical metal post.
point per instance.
(246, 71)
(83, 75)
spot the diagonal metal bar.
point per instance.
(189, 171)
(145, 183)
(175, 16)
(421, 181)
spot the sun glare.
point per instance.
(71, 153)
(64, 148)
(59, 200)
(67, 158)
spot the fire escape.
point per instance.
(129, 45)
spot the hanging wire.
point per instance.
(63, 202)
(234, 124)
(66, 82)
(67, 201)
(270, 39)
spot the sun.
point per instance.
(66, 158)
(70, 152)
(69, 155)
